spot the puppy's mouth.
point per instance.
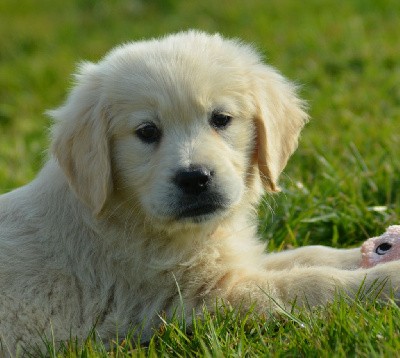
(194, 211)
(200, 210)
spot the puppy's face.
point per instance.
(177, 129)
(182, 148)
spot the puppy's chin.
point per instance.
(199, 208)
(177, 211)
(199, 214)
(193, 218)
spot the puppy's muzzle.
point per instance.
(198, 197)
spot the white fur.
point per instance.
(95, 239)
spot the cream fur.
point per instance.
(98, 238)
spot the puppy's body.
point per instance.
(160, 156)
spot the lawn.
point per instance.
(341, 186)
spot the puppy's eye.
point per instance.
(382, 249)
(220, 120)
(148, 133)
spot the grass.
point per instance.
(341, 187)
(363, 330)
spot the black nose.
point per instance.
(193, 180)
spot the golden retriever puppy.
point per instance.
(159, 157)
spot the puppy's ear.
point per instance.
(279, 120)
(79, 140)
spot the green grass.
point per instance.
(346, 56)
(342, 329)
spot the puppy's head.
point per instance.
(183, 130)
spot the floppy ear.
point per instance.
(279, 120)
(79, 140)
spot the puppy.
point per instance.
(159, 157)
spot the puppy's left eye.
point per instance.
(220, 120)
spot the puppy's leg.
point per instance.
(22, 326)
(308, 286)
(349, 259)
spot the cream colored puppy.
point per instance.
(159, 158)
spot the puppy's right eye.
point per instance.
(148, 133)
